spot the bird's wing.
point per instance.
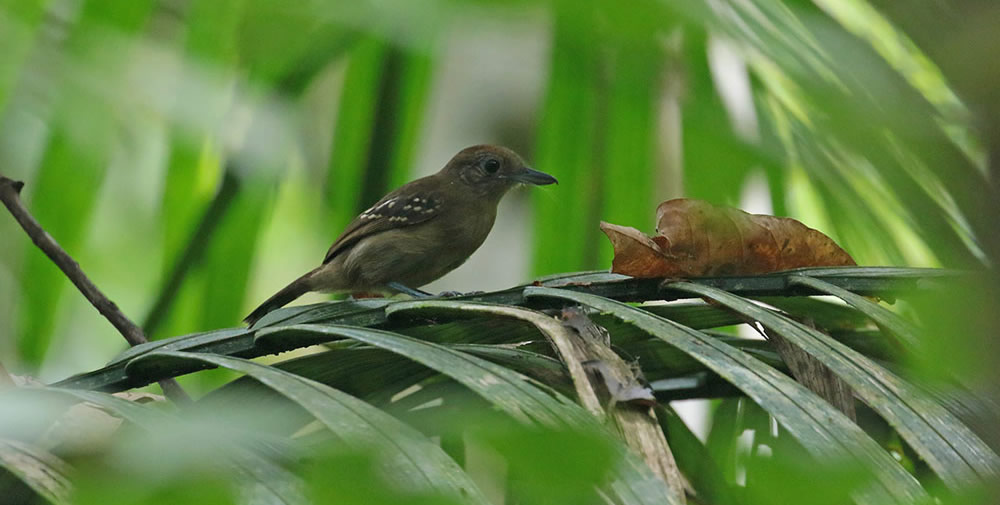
(396, 210)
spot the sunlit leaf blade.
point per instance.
(878, 281)
(414, 79)
(856, 224)
(563, 240)
(19, 22)
(186, 343)
(904, 330)
(43, 473)
(189, 258)
(194, 174)
(694, 459)
(542, 368)
(947, 155)
(401, 91)
(286, 44)
(826, 314)
(557, 335)
(950, 448)
(552, 329)
(353, 131)
(845, 121)
(190, 182)
(190, 175)
(361, 371)
(413, 458)
(113, 377)
(74, 162)
(368, 373)
(824, 431)
(930, 221)
(629, 125)
(694, 315)
(705, 112)
(376, 375)
(662, 363)
(721, 440)
(227, 263)
(65, 215)
(511, 392)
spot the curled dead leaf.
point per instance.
(695, 238)
(636, 254)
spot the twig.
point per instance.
(628, 409)
(9, 194)
(193, 251)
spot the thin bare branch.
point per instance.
(629, 402)
(10, 191)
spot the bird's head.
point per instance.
(492, 170)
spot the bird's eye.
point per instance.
(491, 166)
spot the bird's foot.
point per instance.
(416, 293)
(452, 294)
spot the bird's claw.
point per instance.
(452, 294)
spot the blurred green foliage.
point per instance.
(195, 155)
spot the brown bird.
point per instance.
(419, 232)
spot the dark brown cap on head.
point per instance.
(495, 166)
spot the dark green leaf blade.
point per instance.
(951, 449)
(414, 459)
(824, 431)
(507, 390)
(270, 482)
(906, 331)
(41, 471)
(513, 393)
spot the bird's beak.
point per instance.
(532, 176)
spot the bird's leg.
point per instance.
(452, 294)
(416, 293)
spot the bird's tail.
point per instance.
(297, 288)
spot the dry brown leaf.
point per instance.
(695, 238)
(635, 253)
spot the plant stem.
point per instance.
(10, 191)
